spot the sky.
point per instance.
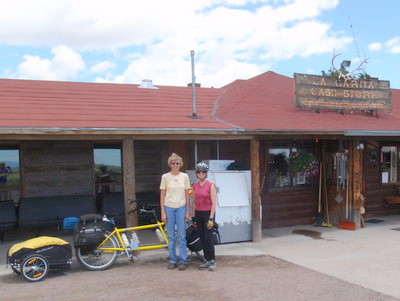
(126, 41)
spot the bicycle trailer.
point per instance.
(34, 257)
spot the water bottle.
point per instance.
(133, 244)
(135, 237)
(160, 236)
(125, 239)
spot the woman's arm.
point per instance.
(213, 195)
(162, 207)
(187, 204)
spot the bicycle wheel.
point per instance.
(97, 260)
(15, 270)
(34, 268)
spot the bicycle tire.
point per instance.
(15, 270)
(97, 260)
(34, 268)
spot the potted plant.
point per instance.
(304, 163)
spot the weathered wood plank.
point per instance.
(128, 171)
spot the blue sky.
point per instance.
(125, 41)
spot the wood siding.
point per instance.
(149, 165)
(52, 168)
(288, 208)
(375, 191)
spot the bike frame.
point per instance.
(123, 247)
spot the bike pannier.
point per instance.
(89, 232)
(215, 235)
(193, 242)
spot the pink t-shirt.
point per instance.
(202, 196)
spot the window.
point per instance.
(9, 175)
(389, 168)
(290, 167)
(108, 169)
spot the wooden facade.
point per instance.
(242, 121)
(51, 168)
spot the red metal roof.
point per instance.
(267, 102)
(51, 104)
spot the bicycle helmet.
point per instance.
(201, 167)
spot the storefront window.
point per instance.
(389, 159)
(108, 169)
(291, 167)
(9, 175)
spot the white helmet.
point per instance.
(201, 166)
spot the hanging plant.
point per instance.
(305, 163)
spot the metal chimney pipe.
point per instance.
(194, 114)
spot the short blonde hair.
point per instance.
(175, 157)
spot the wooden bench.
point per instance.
(8, 217)
(392, 200)
(36, 212)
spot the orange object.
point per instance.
(347, 225)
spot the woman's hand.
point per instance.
(163, 217)
(210, 223)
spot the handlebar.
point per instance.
(147, 211)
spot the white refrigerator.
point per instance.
(233, 213)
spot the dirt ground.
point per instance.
(237, 278)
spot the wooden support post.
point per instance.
(255, 190)
(128, 173)
(357, 184)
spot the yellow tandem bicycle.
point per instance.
(120, 241)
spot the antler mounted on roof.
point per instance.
(350, 75)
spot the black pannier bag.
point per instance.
(89, 232)
(193, 242)
(215, 235)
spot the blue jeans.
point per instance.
(176, 217)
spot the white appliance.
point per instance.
(233, 213)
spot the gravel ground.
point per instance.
(237, 278)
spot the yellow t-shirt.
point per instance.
(175, 189)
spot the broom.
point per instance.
(327, 223)
(319, 218)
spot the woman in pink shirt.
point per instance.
(205, 200)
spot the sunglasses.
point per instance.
(175, 163)
(201, 171)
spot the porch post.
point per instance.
(128, 173)
(356, 179)
(255, 189)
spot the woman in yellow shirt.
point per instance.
(174, 196)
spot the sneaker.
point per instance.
(182, 267)
(204, 265)
(172, 266)
(213, 266)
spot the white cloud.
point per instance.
(375, 47)
(65, 64)
(393, 45)
(230, 41)
(102, 67)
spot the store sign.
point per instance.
(326, 92)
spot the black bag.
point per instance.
(215, 235)
(89, 232)
(193, 242)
